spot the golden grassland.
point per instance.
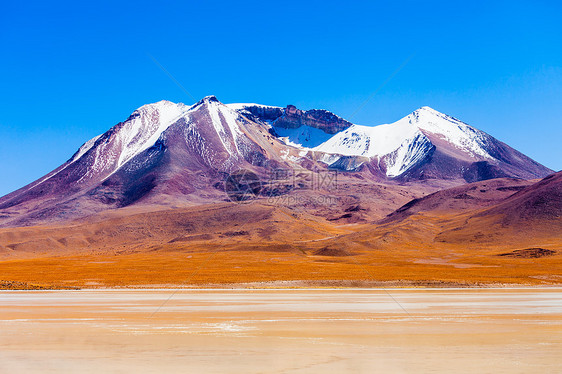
(227, 267)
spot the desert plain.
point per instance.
(515, 330)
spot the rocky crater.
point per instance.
(291, 118)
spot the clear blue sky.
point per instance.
(71, 70)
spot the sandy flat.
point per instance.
(282, 331)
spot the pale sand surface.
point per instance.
(282, 331)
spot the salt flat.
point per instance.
(282, 331)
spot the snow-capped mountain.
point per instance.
(382, 140)
(210, 130)
(428, 144)
(399, 145)
(167, 153)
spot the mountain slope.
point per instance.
(534, 212)
(498, 212)
(457, 200)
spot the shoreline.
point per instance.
(282, 285)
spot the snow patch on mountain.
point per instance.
(227, 125)
(369, 141)
(285, 155)
(407, 155)
(128, 139)
(302, 137)
(329, 158)
(138, 133)
(219, 128)
(242, 106)
(85, 148)
(147, 124)
(458, 133)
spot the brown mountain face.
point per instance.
(291, 118)
(460, 199)
(534, 212)
(488, 213)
